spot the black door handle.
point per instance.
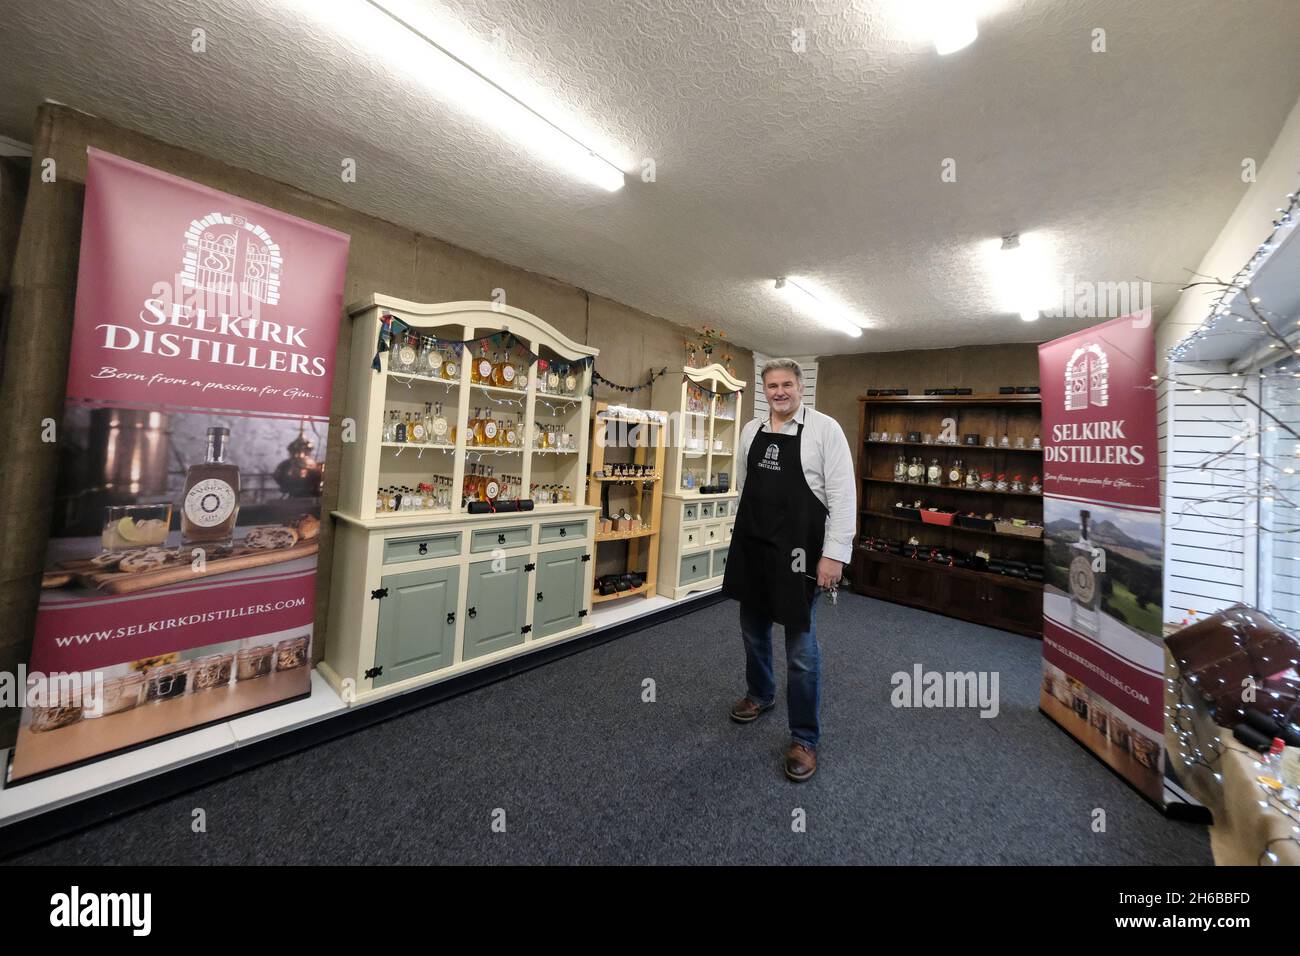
(501, 538)
(473, 612)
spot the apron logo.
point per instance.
(769, 459)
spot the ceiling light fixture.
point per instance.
(954, 26)
(1017, 267)
(468, 89)
(810, 305)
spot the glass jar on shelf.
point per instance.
(167, 681)
(122, 694)
(253, 662)
(291, 653)
(62, 706)
(211, 671)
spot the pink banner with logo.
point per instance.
(1103, 651)
(179, 582)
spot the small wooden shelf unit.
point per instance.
(648, 436)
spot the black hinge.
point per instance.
(373, 673)
(525, 629)
(586, 557)
(378, 594)
(582, 613)
(530, 567)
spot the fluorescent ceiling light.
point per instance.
(1021, 275)
(817, 308)
(402, 35)
(954, 26)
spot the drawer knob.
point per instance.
(563, 533)
(473, 612)
(539, 595)
(424, 547)
(501, 538)
(451, 617)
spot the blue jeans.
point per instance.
(803, 671)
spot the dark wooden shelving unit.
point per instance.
(1009, 603)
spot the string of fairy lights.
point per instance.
(1225, 315)
(1223, 311)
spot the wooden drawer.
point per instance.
(714, 534)
(488, 539)
(720, 561)
(706, 510)
(728, 530)
(694, 567)
(692, 537)
(562, 531)
(691, 511)
(723, 509)
(445, 545)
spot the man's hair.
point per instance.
(782, 364)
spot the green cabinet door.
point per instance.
(417, 626)
(495, 606)
(561, 590)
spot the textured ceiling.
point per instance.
(823, 164)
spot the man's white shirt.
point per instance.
(827, 467)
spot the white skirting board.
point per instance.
(26, 800)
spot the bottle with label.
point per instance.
(433, 360)
(438, 425)
(570, 380)
(933, 473)
(450, 367)
(914, 470)
(552, 378)
(415, 431)
(512, 434)
(399, 433)
(476, 428)
(972, 477)
(491, 432)
(210, 500)
(955, 475)
(521, 373)
(483, 365)
(900, 468)
(1087, 573)
(408, 352)
(491, 487)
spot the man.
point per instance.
(793, 535)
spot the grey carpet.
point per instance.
(588, 773)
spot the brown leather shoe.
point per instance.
(800, 762)
(745, 710)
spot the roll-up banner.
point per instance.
(179, 581)
(1103, 654)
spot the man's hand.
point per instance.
(829, 572)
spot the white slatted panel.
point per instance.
(1279, 519)
(1205, 473)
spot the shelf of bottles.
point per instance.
(461, 411)
(703, 443)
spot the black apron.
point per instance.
(778, 513)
